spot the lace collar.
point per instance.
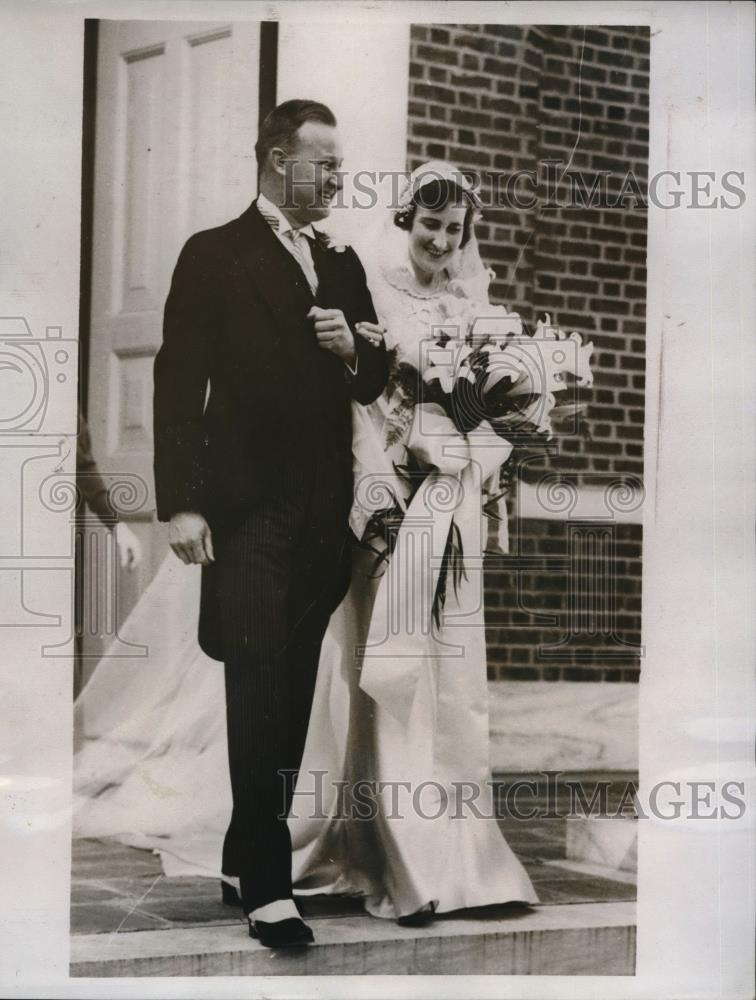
(402, 278)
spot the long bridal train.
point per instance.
(152, 767)
(152, 771)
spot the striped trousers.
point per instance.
(280, 575)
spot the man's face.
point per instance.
(312, 174)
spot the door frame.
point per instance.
(267, 91)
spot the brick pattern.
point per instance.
(497, 99)
(565, 603)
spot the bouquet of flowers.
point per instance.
(497, 373)
(508, 378)
(486, 374)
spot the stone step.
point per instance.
(611, 843)
(586, 939)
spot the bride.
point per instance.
(393, 800)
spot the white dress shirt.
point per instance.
(288, 234)
(302, 253)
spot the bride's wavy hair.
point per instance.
(434, 196)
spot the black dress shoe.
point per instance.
(289, 933)
(229, 895)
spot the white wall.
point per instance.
(40, 164)
(361, 71)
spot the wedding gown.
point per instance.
(393, 801)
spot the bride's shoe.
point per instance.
(420, 917)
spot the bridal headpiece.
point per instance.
(427, 173)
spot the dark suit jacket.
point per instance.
(236, 319)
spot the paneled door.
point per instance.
(176, 123)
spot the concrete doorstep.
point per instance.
(588, 939)
(129, 919)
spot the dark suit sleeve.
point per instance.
(372, 369)
(181, 379)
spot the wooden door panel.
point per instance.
(176, 123)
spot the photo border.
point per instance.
(696, 883)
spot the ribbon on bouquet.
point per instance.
(400, 640)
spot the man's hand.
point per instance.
(189, 537)
(333, 333)
(372, 332)
(129, 546)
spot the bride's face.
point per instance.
(434, 237)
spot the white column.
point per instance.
(696, 877)
(361, 71)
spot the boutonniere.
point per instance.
(326, 242)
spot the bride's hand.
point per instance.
(189, 537)
(371, 332)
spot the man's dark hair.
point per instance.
(283, 122)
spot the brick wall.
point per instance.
(565, 603)
(498, 99)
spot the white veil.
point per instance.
(383, 246)
(150, 767)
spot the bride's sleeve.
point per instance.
(371, 373)
(389, 313)
(373, 472)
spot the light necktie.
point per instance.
(297, 245)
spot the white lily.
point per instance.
(447, 364)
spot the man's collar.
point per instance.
(284, 226)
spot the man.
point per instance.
(255, 476)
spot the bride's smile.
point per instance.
(434, 237)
